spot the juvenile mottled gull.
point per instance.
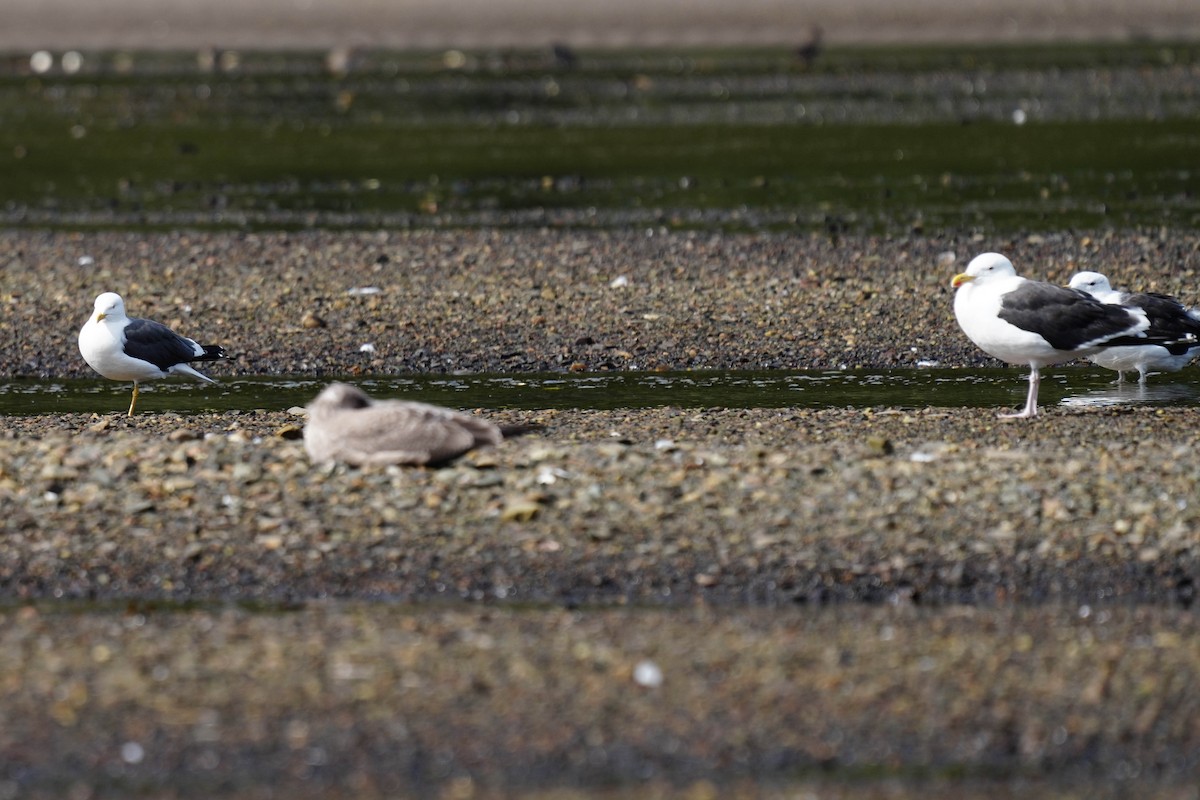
(344, 424)
(1030, 322)
(123, 348)
(1168, 318)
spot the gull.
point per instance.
(124, 348)
(1022, 321)
(345, 424)
(1168, 318)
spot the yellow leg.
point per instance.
(133, 402)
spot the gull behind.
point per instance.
(1168, 317)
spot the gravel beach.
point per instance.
(540, 300)
(690, 600)
(683, 603)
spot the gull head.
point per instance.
(108, 305)
(983, 266)
(339, 397)
(1091, 282)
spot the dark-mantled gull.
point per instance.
(346, 425)
(123, 348)
(1022, 321)
(1169, 318)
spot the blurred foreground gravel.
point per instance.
(669, 602)
(758, 507)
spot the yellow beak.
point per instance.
(961, 278)
(100, 314)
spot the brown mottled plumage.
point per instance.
(345, 424)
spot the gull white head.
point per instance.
(109, 305)
(985, 266)
(1093, 283)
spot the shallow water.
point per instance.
(912, 388)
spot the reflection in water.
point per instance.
(1133, 393)
(904, 388)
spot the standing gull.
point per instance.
(1030, 322)
(1168, 319)
(344, 424)
(123, 348)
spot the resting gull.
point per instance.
(1168, 319)
(345, 424)
(1031, 322)
(123, 348)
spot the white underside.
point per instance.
(1143, 358)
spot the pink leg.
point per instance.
(1030, 409)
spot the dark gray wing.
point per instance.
(1068, 319)
(1169, 319)
(154, 342)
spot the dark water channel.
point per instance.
(946, 388)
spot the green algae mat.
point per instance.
(882, 140)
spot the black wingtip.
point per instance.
(212, 352)
(1182, 345)
(1175, 345)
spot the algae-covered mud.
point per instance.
(866, 140)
